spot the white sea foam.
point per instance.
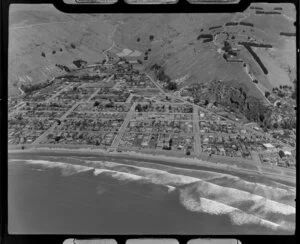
(66, 169)
(242, 206)
(238, 217)
(286, 196)
(155, 175)
(248, 208)
(164, 177)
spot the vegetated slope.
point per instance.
(176, 44)
(42, 37)
(39, 39)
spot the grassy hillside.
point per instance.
(42, 37)
(176, 47)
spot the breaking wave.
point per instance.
(216, 194)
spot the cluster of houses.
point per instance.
(100, 115)
(24, 136)
(155, 141)
(24, 130)
(162, 116)
(110, 94)
(134, 81)
(160, 126)
(103, 107)
(90, 124)
(104, 139)
(281, 159)
(62, 105)
(163, 107)
(229, 146)
(76, 93)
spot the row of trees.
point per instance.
(28, 89)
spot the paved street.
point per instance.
(119, 136)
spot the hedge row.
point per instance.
(246, 24)
(267, 12)
(205, 36)
(207, 40)
(259, 8)
(287, 34)
(231, 24)
(257, 59)
(252, 44)
(215, 27)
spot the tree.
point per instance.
(280, 94)
(43, 54)
(96, 103)
(151, 37)
(261, 117)
(138, 107)
(281, 154)
(267, 94)
(171, 86)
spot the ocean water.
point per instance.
(67, 195)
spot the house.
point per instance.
(268, 146)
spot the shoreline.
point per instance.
(183, 162)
